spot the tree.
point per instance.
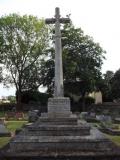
(12, 99)
(106, 90)
(47, 72)
(115, 85)
(82, 61)
(1, 76)
(108, 76)
(23, 40)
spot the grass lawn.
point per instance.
(4, 141)
(115, 139)
(11, 126)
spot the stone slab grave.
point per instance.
(57, 134)
(110, 131)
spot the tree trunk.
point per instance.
(19, 104)
(83, 102)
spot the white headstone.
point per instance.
(3, 130)
(98, 97)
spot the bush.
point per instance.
(78, 106)
(35, 97)
(7, 107)
(89, 101)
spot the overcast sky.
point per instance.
(97, 18)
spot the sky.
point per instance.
(99, 19)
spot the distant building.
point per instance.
(4, 99)
(97, 96)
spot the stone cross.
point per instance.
(58, 52)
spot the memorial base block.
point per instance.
(59, 107)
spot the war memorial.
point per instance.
(58, 134)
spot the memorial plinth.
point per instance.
(59, 107)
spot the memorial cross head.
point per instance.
(57, 18)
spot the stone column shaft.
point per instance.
(58, 58)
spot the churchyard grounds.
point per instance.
(14, 124)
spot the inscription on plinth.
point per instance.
(59, 107)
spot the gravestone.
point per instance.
(98, 97)
(57, 134)
(33, 115)
(3, 130)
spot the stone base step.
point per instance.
(63, 114)
(31, 143)
(64, 155)
(58, 130)
(93, 142)
(56, 121)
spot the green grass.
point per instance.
(115, 139)
(4, 141)
(95, 124)
(11, 126)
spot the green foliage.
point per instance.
(108, 76)
(115, 139)
(104, 85)
(23, 40)
(105, 124)
(1, 76)
(107, 93)
(34, 96)
(47, 74)
(2, 114)
(12, 99)
(7, 107)
(115, 85)
(89, 100)
(76, 106)
(4, 141)
(82, 58)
